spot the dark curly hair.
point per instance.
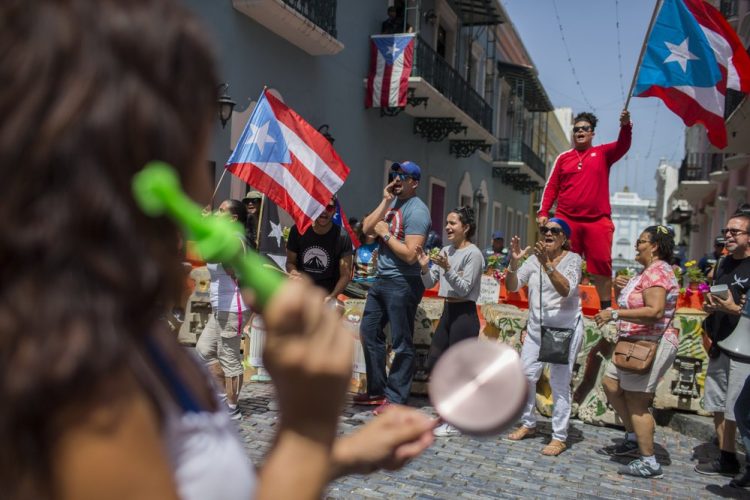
(92, 91)
(587, 117)
(663, 238)
(466, 216)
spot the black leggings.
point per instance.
(458, 322)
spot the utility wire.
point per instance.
(570, 59)
(653, 132)
(619, 48)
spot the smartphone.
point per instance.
(721, 291)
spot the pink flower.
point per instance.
(703, 287)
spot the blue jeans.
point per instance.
(742, 414)
(391, 300)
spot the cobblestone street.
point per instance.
(465, 467)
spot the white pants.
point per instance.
(559, 381)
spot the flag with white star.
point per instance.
(288, 160)
(692, 56)
(391, 58)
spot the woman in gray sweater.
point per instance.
(458, 267)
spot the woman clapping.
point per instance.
(555, 270)
(458, 267)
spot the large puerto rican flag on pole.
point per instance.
(391, 58)
(692, 56)
(284, 157)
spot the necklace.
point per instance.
(580, 158)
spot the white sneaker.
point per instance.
(446, 430)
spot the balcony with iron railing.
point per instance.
(515, 150)
(696, 167)
(728, 9)
(308, 24)
(436, 71)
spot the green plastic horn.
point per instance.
(157, 191)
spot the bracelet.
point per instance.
(510, 271)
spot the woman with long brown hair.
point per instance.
(98, 399)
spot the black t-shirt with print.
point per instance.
(736, 275)
(318, 255)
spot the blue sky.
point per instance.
(590, 30)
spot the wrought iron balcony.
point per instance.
(696, 166)
(732, 99)
(728, 8)
(515, 150)
(431, 66)
(308, 24)
(321, 12)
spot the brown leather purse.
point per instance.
(635, 356)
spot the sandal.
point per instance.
(522, 433)
(554, 448)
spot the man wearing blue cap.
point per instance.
(401, 222)
(496, 256)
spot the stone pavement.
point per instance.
(477, 468)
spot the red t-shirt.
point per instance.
(583, 193)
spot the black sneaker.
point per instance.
(626, 448)
(639, 468)
(717, 467)
(742, 480)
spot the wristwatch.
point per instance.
(615, 315)
(386, 237)
(549, 269)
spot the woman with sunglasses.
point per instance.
(458, 267)
(646, 308)
(557, 270)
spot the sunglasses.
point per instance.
(585, 128)
(554, 230)
(401, 176)
(330, 208)
(733, 232)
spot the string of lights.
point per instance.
(570, 59)
(619, 48)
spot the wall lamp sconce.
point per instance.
(226, 105)
(430, 17)
(324, 131)
(479, 196)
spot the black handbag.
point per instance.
(556, 341)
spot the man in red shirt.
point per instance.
(579, 182)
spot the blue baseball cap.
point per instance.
(498, 235)
(408, 167)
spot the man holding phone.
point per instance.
(401, 222)
(726, 374)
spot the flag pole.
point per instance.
(657, 6)
(217, 186)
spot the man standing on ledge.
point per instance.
(579, 182)
(401, 222)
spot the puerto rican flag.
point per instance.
(391, 58)
(284, 157)
(692, 56)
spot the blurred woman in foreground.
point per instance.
(99, 401)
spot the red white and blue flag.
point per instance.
(284, 157)
(391, 58)
(692, 56)
(339, 218)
